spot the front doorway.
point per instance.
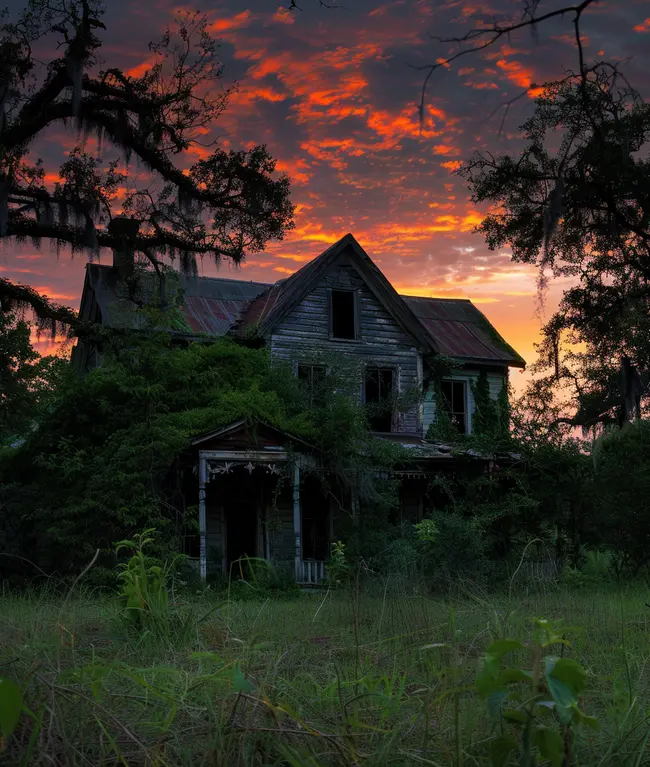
(241, 507)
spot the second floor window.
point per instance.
(343, 315)
(378, 396)
(312, 378)
(454, 403)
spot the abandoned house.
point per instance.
(254, 496)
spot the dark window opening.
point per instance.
(343, 321)
(313, 378)
(379, 398)
(454, 403)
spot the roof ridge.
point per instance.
(436, 298)
(194, 276)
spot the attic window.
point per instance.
(343, 315)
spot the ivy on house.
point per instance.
(109, 456)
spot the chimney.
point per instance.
(124, 230)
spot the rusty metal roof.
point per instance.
(212, 305)
(215, 306)
(459, 329)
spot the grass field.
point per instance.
(369, 678)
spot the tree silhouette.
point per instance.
(223, 206)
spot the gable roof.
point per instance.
(242, 435)
(272, 306)
(216, 306)
(459, 329)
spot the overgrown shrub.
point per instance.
(255, 578)
(110, 456)
(621, 487)
(452, 548)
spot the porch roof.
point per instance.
(242, 435)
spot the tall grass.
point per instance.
(367, 677)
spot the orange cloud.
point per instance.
(482, 85)
(298, 170)
(451, 164)
(249, 92)
(143, 67)
(234, 22)
(53, 295)
(284, 16)
(644, 27)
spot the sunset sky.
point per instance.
(333, 93)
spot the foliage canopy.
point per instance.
(226, 204)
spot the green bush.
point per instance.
(452, 547)
(255, 578)
(401, 556)
(621, 487)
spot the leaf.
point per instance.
(238, 680)
(11, 705)
(500, 647)
(495, 701)
(487, 677)
(500, 749)
(590, 721)
(550, 745)
(514, 675)
(566, 680)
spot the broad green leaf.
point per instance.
(238, 680)
(550, 745)
(566, 714)
(487, 677)
(514, 675)
(11, 704)
(500, 749)
(500, 647)
(566, 680)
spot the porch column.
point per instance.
(203, 556)
(297, 520)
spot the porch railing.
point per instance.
(311, 573)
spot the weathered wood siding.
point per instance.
(495, 382)
(304, 336)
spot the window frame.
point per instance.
(311, 365)
(466, 403)
(355, 309)
(395, 382)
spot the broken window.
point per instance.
(312, 378)
(378, 396)
(343, 322)
(454, 403)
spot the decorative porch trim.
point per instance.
(214, 463)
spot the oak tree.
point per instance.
(223, 206)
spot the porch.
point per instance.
(257, 500)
